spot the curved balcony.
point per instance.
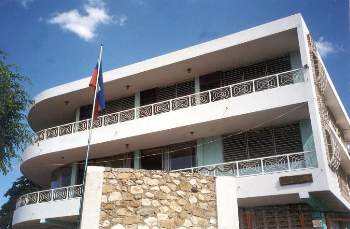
(217, 94)
(205, 114)
(60, 204)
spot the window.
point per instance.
(155, 95)
(182, 156)
(152, 159)
(61, 177)
(245, 73)
(262, 143)
(125, 160)
(112, 106)
(171, 157)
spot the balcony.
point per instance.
(251, 167)
(205, 97)
(50, 195)
(259, 166)
(58, 206)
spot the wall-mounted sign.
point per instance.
(297, 179)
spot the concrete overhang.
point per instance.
(57, 105)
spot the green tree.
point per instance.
(20, 187)
(14, 100)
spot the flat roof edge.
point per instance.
(230, 40)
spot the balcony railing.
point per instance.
(64, 193)
(234, 90)
(258, 166)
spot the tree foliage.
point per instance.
(20, 187)
(14, 100)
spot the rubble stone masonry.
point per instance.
(143, 199)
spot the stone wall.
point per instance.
(142, 199)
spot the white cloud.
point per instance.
(325, 47)
(121, 20)
(85, 25)
(25, 3)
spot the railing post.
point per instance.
(262, 165)
(67, 189)
(253, 85)
(278, 83)
(237, 169)
(288, 161)
(209, 96)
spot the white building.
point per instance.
(258, 105)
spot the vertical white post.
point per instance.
(226, 202)
(288, 161)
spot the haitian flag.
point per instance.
(100, 103)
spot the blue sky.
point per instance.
(55, 42)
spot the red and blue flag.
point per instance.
(96, 78)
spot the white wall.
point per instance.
(48, 210)
(226, 203)
(92, 197)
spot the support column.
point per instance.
(196, 85)
(77, 114)
(74, 174)
(137, 102)
(92, 197)
(226, 202)
(137, 159)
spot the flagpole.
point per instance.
(89, 138)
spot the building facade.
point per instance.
(257, 105)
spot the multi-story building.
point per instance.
(258, 105)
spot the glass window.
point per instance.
(171, 157)
(61, 177)
(182, 155)
(182, 159)
(152, 159)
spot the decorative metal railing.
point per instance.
(217, 94)
(63, 193)
(258, 166)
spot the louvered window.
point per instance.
(235, 147)
(112, 106)
(250, 72)
(210, 81)
(262, 143)
(155, 95)
(288, 139)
